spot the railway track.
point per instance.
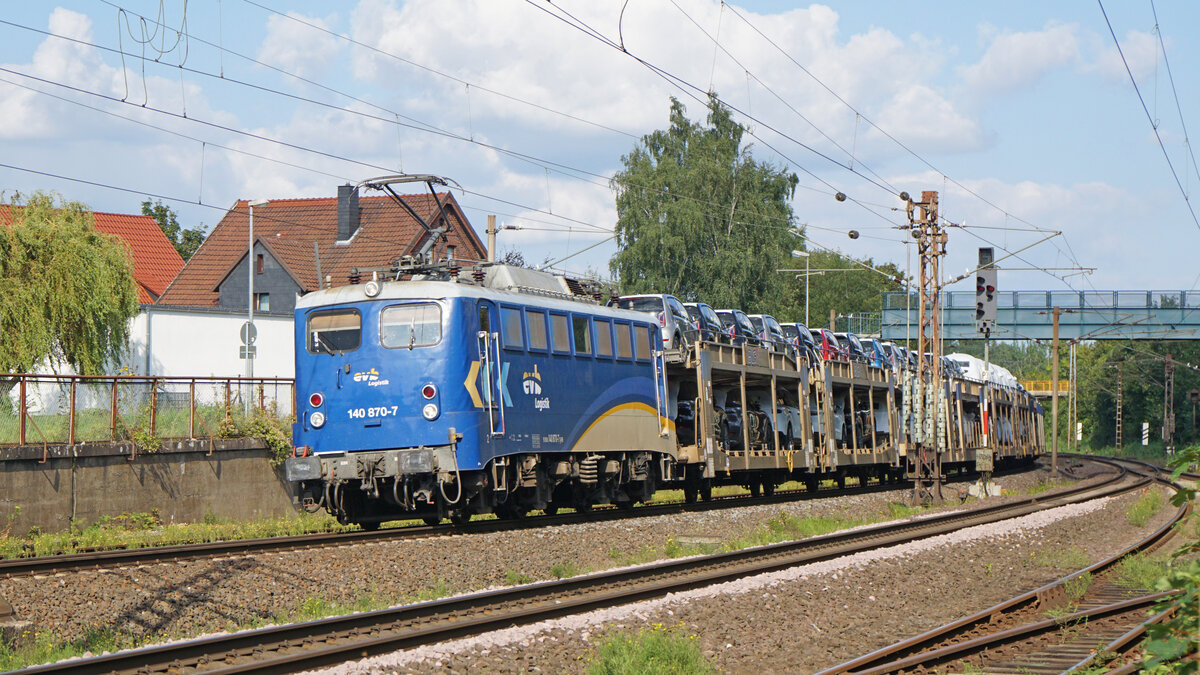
(334, 640)
(1018, 636)
(92, 560)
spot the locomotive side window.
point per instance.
(583, 335)
(560, 334)
(408, 326)
(624, 346)
(642, 341)
(510, 318)
(604, 345)
(537, 329)
(334, 330)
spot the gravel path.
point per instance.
(812, 617)
(189, 598)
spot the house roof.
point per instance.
(287, 228)
(155, 260)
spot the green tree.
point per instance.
(699, 218)
(184, 241)
(66, 291)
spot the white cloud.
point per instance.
(1017, 60)
(923, 118)
(527, 54)
(1141, 53)
(296, 48)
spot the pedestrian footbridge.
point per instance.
(1028, 315)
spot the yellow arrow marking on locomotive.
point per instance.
(469, 383)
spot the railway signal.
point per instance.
(985, 293)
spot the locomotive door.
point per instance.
(488, 345)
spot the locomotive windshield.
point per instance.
(334, 330)
(408, 326)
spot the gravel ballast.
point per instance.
(188, 598)
(808, 618)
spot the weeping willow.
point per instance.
(66, 291)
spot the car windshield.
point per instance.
(693, 312)
(745, 321)
(790, 331)
(641, 304)
(727, 318)
(709, 314)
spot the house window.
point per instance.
(258, 265)
(262, 302)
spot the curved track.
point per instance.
(1015, 637)
(337, 639)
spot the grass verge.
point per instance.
(139, 530)
(652, 651)
(1144, 508)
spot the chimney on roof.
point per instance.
(348, 212)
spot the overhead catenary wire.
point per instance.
(1149, 117)
(388, 120)
(860, 115)
(693, 90)
(563, 169)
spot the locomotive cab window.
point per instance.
(333, 331)
(583, 335)
(642, 339)
(409, 326)
(537, 329)
(510, 319)
(624, 346)
(560, 334)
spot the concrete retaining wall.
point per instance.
(185, 481)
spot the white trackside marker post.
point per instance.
(1145, 433)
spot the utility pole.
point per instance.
(491, 235)
(1072, 404)
(931, 245)
(1054, 397)
(1120, 440)
(1168, 433)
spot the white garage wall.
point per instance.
(178, 341)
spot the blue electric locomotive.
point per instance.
(499, 389)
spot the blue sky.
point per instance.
(1025, 104)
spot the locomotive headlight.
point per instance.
(430, 411)
(317, 419)
(371, 288)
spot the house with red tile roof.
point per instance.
(303, 245)
(155, 260)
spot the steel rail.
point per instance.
(921, 650)
(338, 639)
(104, 559)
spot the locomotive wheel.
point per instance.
(755, 488)
(460, 517)
(551, 509)
(768, 487)
(706, 490)
(431, 520)
(369, 527)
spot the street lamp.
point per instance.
(250, 292)
(804, 254)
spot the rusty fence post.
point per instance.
(71, 417)
(112, 421)
(192, 409)
(153, 404)
(23, 410)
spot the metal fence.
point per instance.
(56, 409)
